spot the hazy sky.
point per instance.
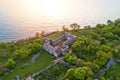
(58, 11)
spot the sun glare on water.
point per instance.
(48, 8)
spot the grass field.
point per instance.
(41, 62)
(56, 72)
(55, 35)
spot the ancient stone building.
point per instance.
(60, 46)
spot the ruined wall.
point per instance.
(49, 48)
(59, 40)
(65, 50)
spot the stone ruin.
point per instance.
(60, 46)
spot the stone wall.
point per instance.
(110, 62)
(69, 42)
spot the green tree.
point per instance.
(108, 35)
(10, 64)
(38, 41)
(37, 34)
(75, 26)
(80, 73)
(35, 48)
(117, 52)
(79, 63)
(11, 47)
(118, 48)
(102, 40)
(91, 49)
(2, 69)
(93, 66)
(70, 73)
(102, 57)
(70, 58)
(109, 22)
(115, 30)
(87, 27)
(3, 45)
(42, 34)
(111, 36)
(112, 43)
(81, 44)
(22, 53)
(64, 28)
(104, 48)
(94, 35)
(99, 25)
(117, 23)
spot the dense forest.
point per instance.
(91, 51)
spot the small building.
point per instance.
(17, 78)
(29, 78)
(60, 46)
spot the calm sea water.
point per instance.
(13, 32)
(10, 31)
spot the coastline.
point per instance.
(26, 38)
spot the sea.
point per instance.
(12, 32)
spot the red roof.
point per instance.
(58, 51)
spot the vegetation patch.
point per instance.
(89, 54)
(113, 73)
(56, 72)
(22, 71)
